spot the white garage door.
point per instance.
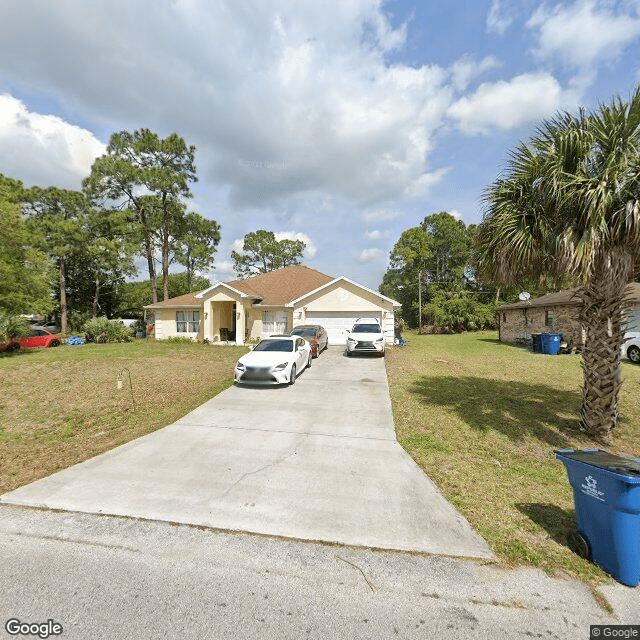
(338, 323)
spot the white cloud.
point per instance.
(292, 98)
(380, 215)
(44, 149)
(467, 69)
(500, 17)
(585, 33)
(224, 266)
(377, 235)
(423, 183)
(506, 105)
(369, 255)
(310, 249)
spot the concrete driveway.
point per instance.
(315, 461)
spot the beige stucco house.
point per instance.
(272, 303)
(556, 313)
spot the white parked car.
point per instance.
(366, 336)
(631, 349)
(274, 360)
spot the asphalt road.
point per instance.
(111, 578)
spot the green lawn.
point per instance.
(61, 406)
(483, 419)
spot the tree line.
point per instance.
(73, 251)
(435, 272)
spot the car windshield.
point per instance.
(366, 328)
(307, 331)
(274, 345)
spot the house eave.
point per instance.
(172, 306)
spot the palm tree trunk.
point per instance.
(601, 314)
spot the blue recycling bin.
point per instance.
(606, 494)
(550, 343)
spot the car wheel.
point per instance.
(292, 377)
(14, 346)
(633, 353)
(55, 343)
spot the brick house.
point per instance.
(555, 313)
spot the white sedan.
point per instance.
(631, 348)
(274, 360)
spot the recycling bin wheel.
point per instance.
(579, 544)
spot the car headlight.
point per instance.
(379, 339)
(281, 367)
(240, 366)
(351, 340)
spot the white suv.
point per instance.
(366, 336)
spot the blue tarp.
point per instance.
(74, 340)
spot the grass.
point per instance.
(61, 406)
(483, 420)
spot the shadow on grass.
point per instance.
(557, 522)
(18, 353)
(515, 409)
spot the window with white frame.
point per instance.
(274, 321)
(187, 321)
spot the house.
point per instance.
(272, 303)
(556, 313)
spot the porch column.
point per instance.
(240, 323)
(208, 320)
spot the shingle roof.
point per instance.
(273, 288)
(282, 286)
(187, 300)
(565, 298)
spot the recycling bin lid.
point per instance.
(603, 460)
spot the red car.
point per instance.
(315, 335)
(38, 338)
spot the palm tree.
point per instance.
(568, 205)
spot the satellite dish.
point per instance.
(525, 295)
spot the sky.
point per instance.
(338, 122)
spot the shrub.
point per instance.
(104, 330)
(76, 321)
(13, 327)
(458, 312)
(179, 340)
